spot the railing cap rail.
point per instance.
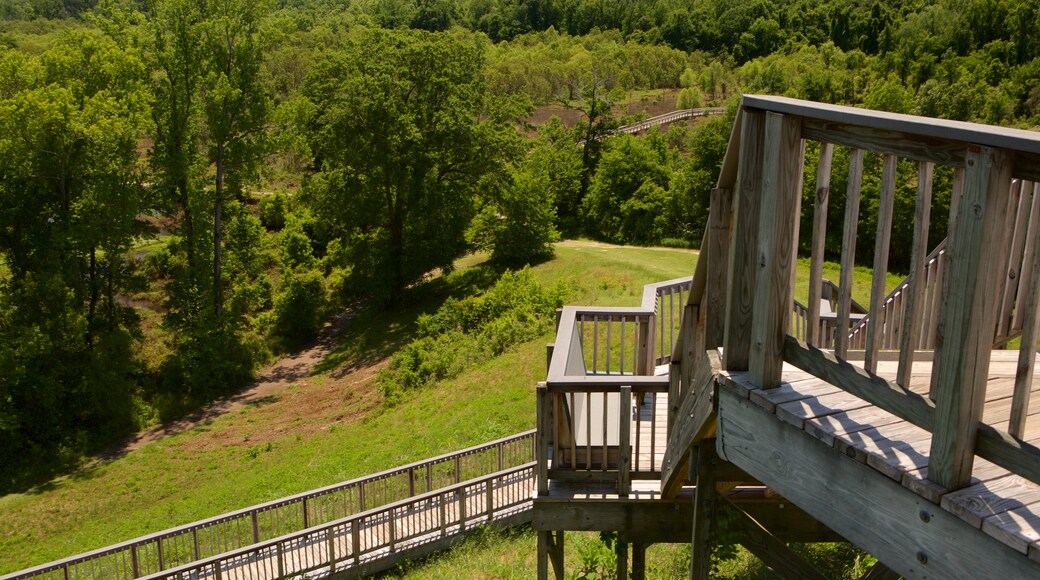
(976, 133)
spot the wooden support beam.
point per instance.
(773, 552)
(554, 546)
(621, 550)
(782, 169)
(740, 277)
(639, 561)
(879, 572)
(542, 437)
(968, 316)
(543, 555)
(866, 507)
(703, 514)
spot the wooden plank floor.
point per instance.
(1003, 505)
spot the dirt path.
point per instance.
(268, 383)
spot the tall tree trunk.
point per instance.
(218, 295)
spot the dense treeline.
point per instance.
(242, 169)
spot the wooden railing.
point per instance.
(603, 359)
(206, 538)
(992, 238)
(364, 543)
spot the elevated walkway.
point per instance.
(907, 427)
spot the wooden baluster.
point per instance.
(782, 168)
(918, 277)
(588, 429)
(1029, 303)
(848, 253)
(1025, 276)
(717, 255)
(968, 313)
(877, 286)
(624, 446)
(621, 364)
(595, 343)
(610, 342)
(819, 239)
(743, 258)
(1017, 221)
(542, 437)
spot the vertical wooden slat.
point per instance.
(743, 253)
(782, 169)
(883, 236)
(574, 433)
(542, 437)
(918, 277)
(1032, 246)
(717, 255)
(653, 428)
(848, 252)
(610, 341)
(588, 429)
(1018, 215)
(624, 443)
(1029, 303)
(595, 343)
(968, 315)
(819, 239)
(621, 365)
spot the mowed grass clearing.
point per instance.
(329, 427)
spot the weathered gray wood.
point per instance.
(773, 290)
(719, 221)
(759, 541)
(864, 506)
(877, 285)
(1025, 277)
(624, 445)
(542, 437)
(543, 556)
(819, 239)
(848, 251)
(555, 541)
(740, 277)
(703, 514)
(1027, 350)
(918, 278)
(1018, 221)
(621, 551)
(694, 422)
(639, 561)
(959, 381)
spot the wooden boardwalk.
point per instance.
(1003, 505)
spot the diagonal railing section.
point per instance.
(376, 539)
(206, 538)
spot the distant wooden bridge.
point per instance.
(671, 117)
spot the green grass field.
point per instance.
(330, 427)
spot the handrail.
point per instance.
(192, 541)
(991, 288)
(383, 533)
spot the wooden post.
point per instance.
(621, 550)
(781, 173)
(742, 258)
(703, 511)
(968, 316)
(256, 526)
(624, 443)
(543, 555)
(355, 541)
(542, 438)
(848, 252)
(638, 561)
(556, 553)
(915, 293)
(819, 235)
(645, 346)
(1030, 303)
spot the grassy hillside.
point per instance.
(330, 427)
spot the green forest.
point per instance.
(189, 188)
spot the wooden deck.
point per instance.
(1002, 505)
